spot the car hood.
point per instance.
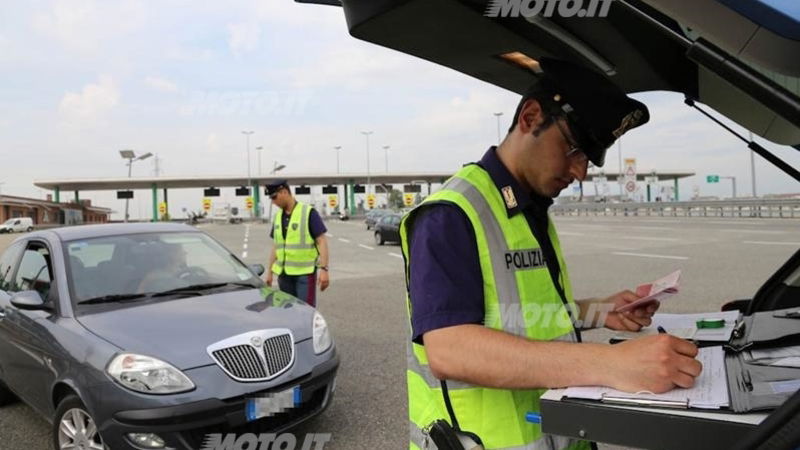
(179, 330)
(737, 57)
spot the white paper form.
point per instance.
(685, 326)
(710, 390)
(782, 356)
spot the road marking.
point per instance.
(796, 244)
(753, 231)
(647, 255)
(649, 228)
(366, 247)
(245, 246)
(244, 254)
(344, 240)
(395, 255)
(569, 233)
(328, 234)
(648, 238)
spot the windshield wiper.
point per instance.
(202, 287)
(112, 298)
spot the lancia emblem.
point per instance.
(256, 341)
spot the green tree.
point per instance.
(395, 199)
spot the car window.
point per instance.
(34, 273)
(7, 262)
(395, 220)
(92, 255)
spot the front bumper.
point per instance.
(184, 426)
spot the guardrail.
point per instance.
(715, 208)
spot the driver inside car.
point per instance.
(168, 269)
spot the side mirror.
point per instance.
(28, 300)
(257, 269)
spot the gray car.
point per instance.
(150, 336)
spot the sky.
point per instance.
(83, 79)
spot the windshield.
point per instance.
(149, 263)
(9, 222)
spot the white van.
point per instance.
(19, 224)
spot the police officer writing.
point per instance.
(300, 247)
(490, 300)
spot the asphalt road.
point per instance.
(721, 259)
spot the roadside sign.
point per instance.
(162, 208)
(333, 201)
(249, 202)
(630, 176)
(408, 199)
(371, 200)
(206, 204)
(712, 178)
(630, 186)
(651, 179)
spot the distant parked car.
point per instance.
(150, 336)
(17, 225)
(388, 229)
(374, 215)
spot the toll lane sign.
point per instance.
(712, 179)
(371, 200)
(408, 199)
(333, 201)
(206, 204)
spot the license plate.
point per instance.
(273, 403)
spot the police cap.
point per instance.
(276, 186)
(597, 110)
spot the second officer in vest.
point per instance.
(300, 250)
(492, 315)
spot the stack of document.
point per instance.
(710, 390)
(657, 290)
(685, 326)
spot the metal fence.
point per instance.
(716, 208)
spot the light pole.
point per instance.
(247, 135)
(366, 134)
(386, 149)
(131, 157)
(733, 180)
(337, 148)
(498, 114)
(753, 167)
(619, 175)
(259, 148)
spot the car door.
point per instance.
(394, 229)
(26, 334)
(8, 263)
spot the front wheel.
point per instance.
(30, 229)
(74, 427)
(379, 238)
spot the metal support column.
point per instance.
(155, 203)
(77, 197)
(166, 202)
(648, 192)
(256, 199)
(677, 196)
(57, 192)
(352, 196)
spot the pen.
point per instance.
(661, 330)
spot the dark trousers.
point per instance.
(303, 287)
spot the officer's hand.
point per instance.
(324, 280)
(654, 363)
(632, 320)
(269, 278)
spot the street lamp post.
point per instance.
(131, 157)
(247, 134)
(386, 149)
(366, 134)
(498, 114)
(337, 148)
(258, 149)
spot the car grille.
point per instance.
(246, 362)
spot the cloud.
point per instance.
(243, 38)
(92, 103)
(160, 84)
(89, 25)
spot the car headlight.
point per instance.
(322, 339)
(148, 375)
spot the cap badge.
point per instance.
(294, 226)
(508, 195)
(632, 120)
